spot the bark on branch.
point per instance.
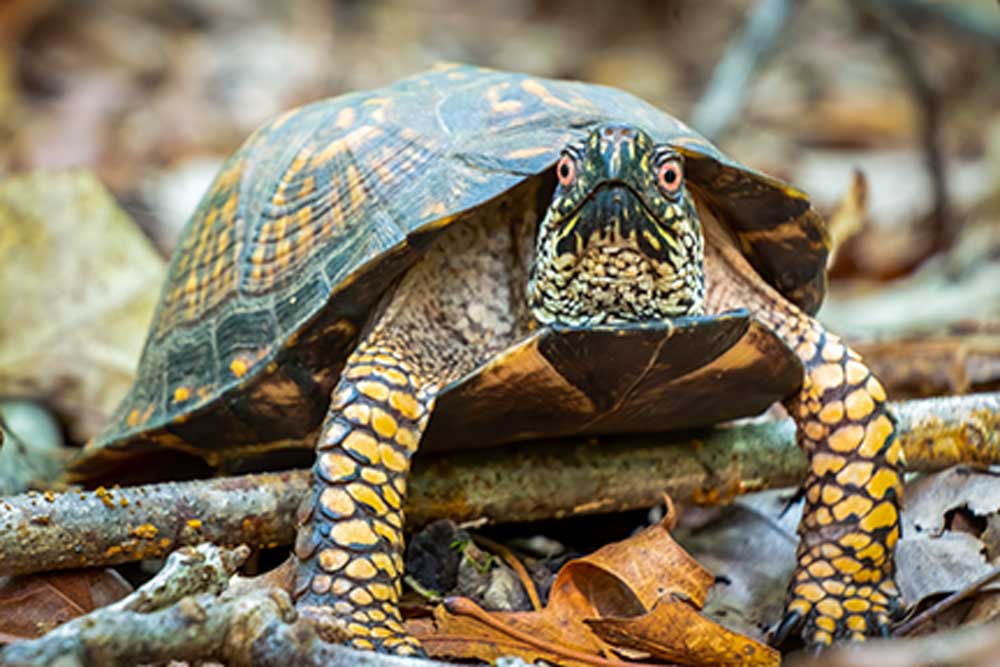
(193, 610)
(40, 532)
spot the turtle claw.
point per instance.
(822, 612)
(787, 628)
(883, 626)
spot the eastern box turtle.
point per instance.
(471, 256)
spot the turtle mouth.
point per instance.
(615, 221)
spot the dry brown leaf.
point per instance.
(622, 581)
(78, 284)
(675, 631)
(850, 216)
(32, 605)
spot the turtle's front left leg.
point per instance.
(350, 539)
(843, 586)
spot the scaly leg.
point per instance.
(449, 313)
(351, 556)
(843, 586)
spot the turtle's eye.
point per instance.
(566, 170)
(670, 177)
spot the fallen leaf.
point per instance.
(986, 608)
(934, 565)
(750, 546)
(32, 449)
(634, 585)
(675, 631)
(931, 498)
(941, 549)
(850, 216)
(78, 284)
(32, 605)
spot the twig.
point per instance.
(526, 482)
(934, 365)
(958, 17)
(726, 91)
(515, 564)
(241, 626)
(947, 603)
(75, 529)
(205, 568)
(940, 432)
(887, 22)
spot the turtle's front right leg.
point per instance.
(350, 537)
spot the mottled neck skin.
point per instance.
(621, 240)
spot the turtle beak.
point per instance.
(615, 216)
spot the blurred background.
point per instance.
(152, 94)
(886, 111)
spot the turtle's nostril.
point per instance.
(618, 134)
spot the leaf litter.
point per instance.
(637, 599)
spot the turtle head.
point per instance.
(621, 240)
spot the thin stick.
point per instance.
(887, 22)
(515, 564)
(945, 604)
(726, 92)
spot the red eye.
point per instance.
(670, 177)
(566, 170)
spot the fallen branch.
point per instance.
(76, 529)
(40, 532)
(943, 365)
(249, 624)
(947, 603)
(906, 53)
(726, 92)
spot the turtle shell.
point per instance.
(319, 211)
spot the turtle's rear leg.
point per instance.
(350, 538)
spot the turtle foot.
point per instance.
(373, 629)
(822, 610)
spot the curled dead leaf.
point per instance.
(604, 605)
(674, 630)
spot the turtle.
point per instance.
(468, 257)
